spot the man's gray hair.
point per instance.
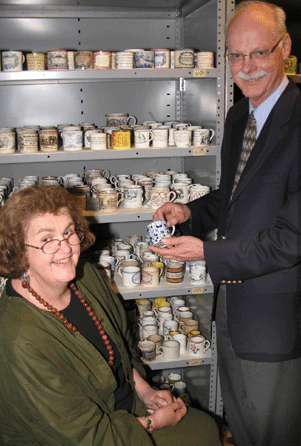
(279, 14)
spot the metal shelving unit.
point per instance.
(53, 97)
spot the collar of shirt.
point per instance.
(262, 112)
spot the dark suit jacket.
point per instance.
(258, 250)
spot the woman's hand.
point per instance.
(154, 399)
(168, 415)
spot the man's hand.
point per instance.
(172, 213)
(180, 248)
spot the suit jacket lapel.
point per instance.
(271, 135)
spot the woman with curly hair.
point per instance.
(68, 372)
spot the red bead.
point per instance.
(57, 313)
(65, 321)
(97, 323)
(74, 329)
(111, 352)
(94, 318)
(111, 363)
(88, 308)
(104, 337)
(61, 316)
(91, 313)
(82, 301)
(46, 305)
(106, 342)
(85, 304)
(69, 325)
(25, 284)
(78, 332)
(101, 331)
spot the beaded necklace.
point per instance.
(68, 324)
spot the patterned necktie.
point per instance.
(247, 146)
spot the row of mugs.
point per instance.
(101, 60)
(31, 139)
(171, 349)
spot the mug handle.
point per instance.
(161, 271)
(160, 349)
(113, 180)
(206, 345)
(133, 118)
(106, 172)
(151, 133)
(172, 196)
(212, 135)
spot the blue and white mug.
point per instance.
(157, 230)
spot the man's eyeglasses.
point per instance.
(51, 247)
(258, 57)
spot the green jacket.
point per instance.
(56, 389)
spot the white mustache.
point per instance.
(251, 77)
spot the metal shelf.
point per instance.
(164, 289)
(184, 360)
(82, 76)
(109, 154)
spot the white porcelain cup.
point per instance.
(142, 138)
(123, 254)
(182, 191)
(131, 276)
(197, 272)
(98, 141)
(181, 338)
(170, 350)
(183, 138)
(132, 196)
(180, 387)
(160, 138)
(72, 139)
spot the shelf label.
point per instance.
(199, 151)
(195, 362)
(197, 290)
(199, 73)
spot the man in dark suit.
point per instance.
(255, 263)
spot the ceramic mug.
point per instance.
(118, 119)
(109, 200)
(144, 59)
(160, 138)
(36, 61)
(197, 272)
(182, 138)
(158, 230)
(203, 136)
(57, 60)
(182, 191)
(83, 60)
(160, 196)
(170, 350)
(131, 276)
(72, 139)
(133, 196)
(142, 138)
(158, 340)
(48, 140)
(197, 345)
(7, 140)
(12, 60)
(150, 276)
(148, 350)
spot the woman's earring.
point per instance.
(25, 280)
